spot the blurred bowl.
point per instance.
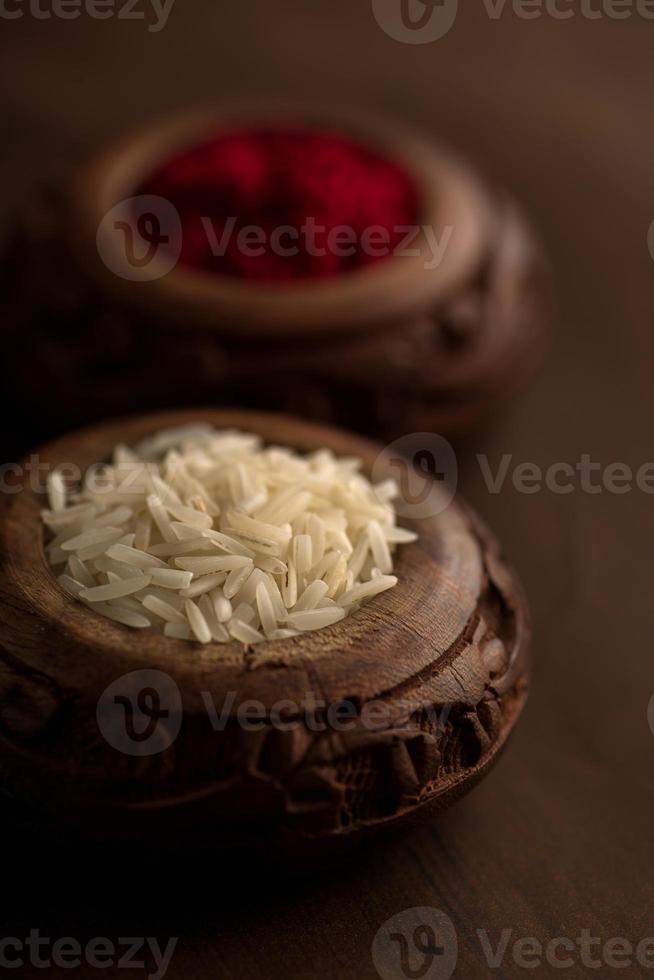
(386, 349)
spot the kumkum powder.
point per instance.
(281, 205)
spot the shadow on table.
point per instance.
(87, 890)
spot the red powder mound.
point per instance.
(272, 205)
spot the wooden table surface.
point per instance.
(560, 837)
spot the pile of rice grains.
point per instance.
(207, 535)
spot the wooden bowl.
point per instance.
(389, 348)
(452, 636)
(364, 299)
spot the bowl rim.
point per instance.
(448, 541)
(367, 298)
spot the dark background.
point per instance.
(560, 836)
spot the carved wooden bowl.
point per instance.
(435, 674)
(398, 346)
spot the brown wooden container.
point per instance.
(452, 635)
(392, 348)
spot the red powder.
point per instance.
(275, 204)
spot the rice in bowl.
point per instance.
(208, 535)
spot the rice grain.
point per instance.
(206, 535)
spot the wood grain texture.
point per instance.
(452, 636)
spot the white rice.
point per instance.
(95, 536)
(197, 622)
(56, 492)
(115, 590)
(379, 546)
(71, 585)
(235, 580)
(171, 578)
(217, 630)
(177, 631)
(315, 619)
(132, 556)
(80, 572)
(209, 566)
(311, 596)
(207, 536)
(164, 610)
(222, 606)
(244, 613)
(124, 615)
(244, 632)
(265, 610)
(206, 583)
